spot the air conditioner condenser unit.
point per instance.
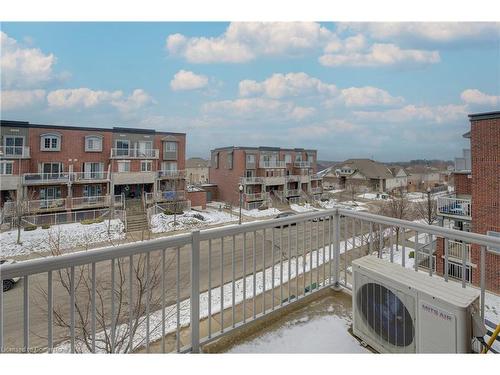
(398, 310)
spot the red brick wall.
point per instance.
(72, 147)
(197, 198)
(463, 183)
(485, 154)
(228, 180)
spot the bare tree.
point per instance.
(427, 210)
(21, 207)
(125, 331)
(398, 207)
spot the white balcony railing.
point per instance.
(44, 178)
(274, 180)
(458, 250)
(323, 261)
(134, 153)
(316, 177)
(302, 164)
(92, 201)
(450, 206)
(251, 180)
(172, 174)
(45, 205)
(256, 196)
(87, 176)
(14, 152)
(272, 164)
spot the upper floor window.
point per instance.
(6, 167)
(124, 166)
(93, 143)
(230, 160)
(50, 142)
(216, 161)
(250, 158)
(13, 145)
(310, 158)
(288, 158)
(146, 165)
(122, 147)
(298, 157)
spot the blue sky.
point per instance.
(386, 91)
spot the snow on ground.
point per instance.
(318, 334)
(423, 238)
(350, 205)
(302, 207)
(258, 213)
(334, 191)
(371, 196)
(190, 220)
(66, 235)
(397, 253)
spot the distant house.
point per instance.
(197, 171)
(399, 179)
(422, 177)
(365, 174)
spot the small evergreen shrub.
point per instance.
(45, 226)
(411, 255)
(29, 228)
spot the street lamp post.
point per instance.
(240, 188)
(429, 208)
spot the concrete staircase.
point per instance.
(136, 216)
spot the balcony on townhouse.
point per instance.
(45, 205)
(87, 177)
(251, 180)
(46, 178)
(268, 164)
(459, 251)
(315, 177)
(97, 201)
(171, 174)
(14, 152)
(274, 180)
(292, 178)
(302, 164)
(134, 153)
(250, 197)
(71, 203)
(308, 275)
(463, 163)
(453, 207)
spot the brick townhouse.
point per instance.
(59, 168)
(265, 174)
(475, 206)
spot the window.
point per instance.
(93, 143)
(249, 173)
(50, 192)
(170, 146)
(310, 158)
(493, 234)
(52, 169)
(92, 190)
(145, 148)
(124, 166)
(122, 147)
(13, 145)
(298, 157)
(216, 160)
(250, 158)
(146, 165)
(230, 160)
(6, 167)
(93, 170)
(169, 166)
(288, 158)
(50, 142)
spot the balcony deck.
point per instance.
(458, 208)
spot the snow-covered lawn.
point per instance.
(258, 213)
(302, 207)
(190, 220)
(371, 196)
(66, 236)
(334, 191)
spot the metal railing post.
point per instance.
(195, 292)
(336, 249)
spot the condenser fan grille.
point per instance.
(385, 314)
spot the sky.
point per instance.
(386, 91)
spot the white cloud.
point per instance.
(244, 41)
(300, 113)
(476, 97)
(23, 67)
(15, 99)
(285, 85)
(186, 80)
(440, 32)
(368, 96)
(88, 98)
(379, 55)
(138, 99)
(325, 129)
(436, 114)
(81, 97)
(261, 108)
